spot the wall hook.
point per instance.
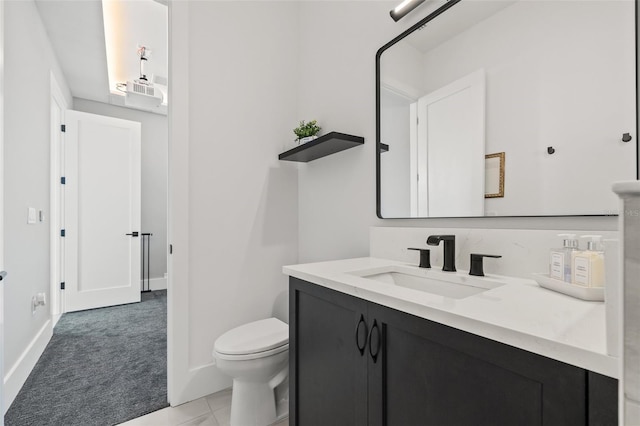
(550, 150)
(626, 137)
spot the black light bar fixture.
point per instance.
(401, 10)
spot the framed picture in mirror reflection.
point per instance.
(494, 175)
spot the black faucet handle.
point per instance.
(425, 257)
(477, 268)
(434, 240)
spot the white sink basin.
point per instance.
(454, 285)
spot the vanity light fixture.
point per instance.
(401, 10)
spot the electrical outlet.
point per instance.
(39, 299)
(31, 216)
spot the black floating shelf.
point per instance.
(325, 145)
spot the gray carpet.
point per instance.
(102, 367)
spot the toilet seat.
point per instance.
(254, 340)
(255, 355)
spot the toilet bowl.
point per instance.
(256, 356)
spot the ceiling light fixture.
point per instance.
(401, 10)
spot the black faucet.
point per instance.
(477, 268)
(425, 257)
(449, 250)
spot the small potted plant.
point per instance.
(306, 132)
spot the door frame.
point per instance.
(56, 204)
(2, 392)
(179, 372)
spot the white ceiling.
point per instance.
(461, 17)
(77, 34)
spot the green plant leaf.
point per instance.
(307, 129)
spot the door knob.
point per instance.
(133, 234)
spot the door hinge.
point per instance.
(63, 128)
(63, 180)
(170, 248)
(62, 232)
(62, 286)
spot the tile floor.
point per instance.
(212, 410)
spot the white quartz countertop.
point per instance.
(519, 313)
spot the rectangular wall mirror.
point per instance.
(549, 84)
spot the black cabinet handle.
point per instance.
(364, 344)
(374, 356)
(3, 274)
(133, 234)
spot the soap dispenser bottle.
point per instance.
(560, 259)
(588, 265)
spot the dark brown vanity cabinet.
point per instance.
(354, 362)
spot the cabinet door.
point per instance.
(328, 373)
(431, 374)
(603, 400)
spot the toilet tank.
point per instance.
(281, 307)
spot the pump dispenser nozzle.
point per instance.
(569, 240)
(595, 243)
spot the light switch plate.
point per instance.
(31, 217)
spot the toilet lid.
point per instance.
(257, 336)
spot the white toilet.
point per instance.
(256, 356)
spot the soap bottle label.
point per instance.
(556, 270)
(581, 270)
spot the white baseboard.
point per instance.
(203, 380)
(55, 318)
(19, 372)
(155, 284)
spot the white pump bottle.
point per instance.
(588, 265)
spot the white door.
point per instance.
(451, 127)
(102, 206)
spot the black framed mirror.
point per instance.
(508, 108)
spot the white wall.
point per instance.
(337, 87)
(546, 87)
(243, 74)
(155, 137)
(395, 187)
(233, 204)
(337, 193)
(401, 68)
(26, 184)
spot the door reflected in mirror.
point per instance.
(550, 84)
